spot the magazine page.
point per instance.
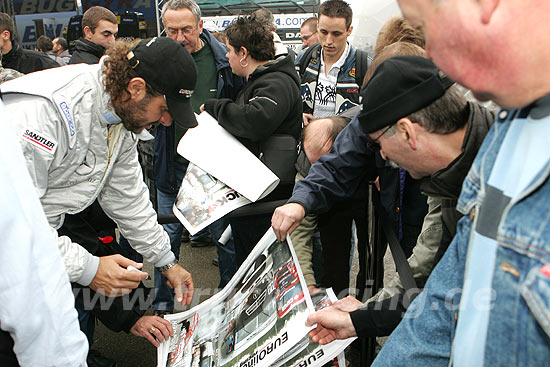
(219, 153)
(253, 321)
(307, 353)
(202, 199)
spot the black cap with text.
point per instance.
(169, 69)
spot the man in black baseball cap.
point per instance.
(398, 87)
(419, 120)
(394, 100)
(169, 69)
(78, 128)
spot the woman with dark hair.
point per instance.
(269, 104)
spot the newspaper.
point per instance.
(309, 354)
(219, 153)
(202, 200)
(253, 321)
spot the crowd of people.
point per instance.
(464, 185)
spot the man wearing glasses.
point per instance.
(430, 131)
(308, 32)
(183, 23)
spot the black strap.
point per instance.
(362, 63)
(401, 264)
(304, 61)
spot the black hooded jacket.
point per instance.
(268, 104)
(26, 61)
(86, 52)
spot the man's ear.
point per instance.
(5, 34)
(201, 24)
(488, 8)
(350, 29)
(137, 89)
(87, 31)
(405, 127)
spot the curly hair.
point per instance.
(251, 34)
(117, 71)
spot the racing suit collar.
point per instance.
(107, 114)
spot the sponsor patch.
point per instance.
(40, 140)
(352, 72)
(69, 122)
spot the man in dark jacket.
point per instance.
(16, 58)
(447, 134)
(100, 27)
(183, 23)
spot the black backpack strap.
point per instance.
(362, 63)
(306, 57)
(401, 264)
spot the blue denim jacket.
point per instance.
(519, 324)
(518, 332)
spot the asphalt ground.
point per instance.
(129, 350)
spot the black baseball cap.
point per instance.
(400, 86)
(169, 69)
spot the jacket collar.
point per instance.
(107, 114)
(13, 55)
(83, 45)
(218, 50)
(447, 182)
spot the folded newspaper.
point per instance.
(257, 320)
(223, 176)
(202, 199)
(219, 153)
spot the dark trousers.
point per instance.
(7, 356)
(335, 227)
(247, 232)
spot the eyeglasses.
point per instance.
(373, 144)
(175, 31)
(305, 37)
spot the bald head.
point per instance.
(319, 135)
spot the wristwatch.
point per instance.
(163, 268)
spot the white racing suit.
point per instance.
(77, 150)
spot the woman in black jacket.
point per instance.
(269, 104)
